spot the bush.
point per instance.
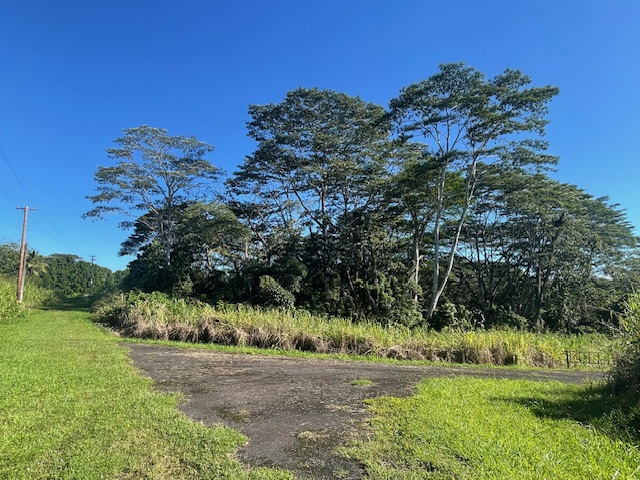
(625, 376)
(8, 305)
(33, 297)
(274, 295)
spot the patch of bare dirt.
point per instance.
(295, 411)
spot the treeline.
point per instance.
(437, 209)
(63, 273)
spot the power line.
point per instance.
(16, 175)
(69, 242)
(7, 194)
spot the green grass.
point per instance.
(72, 406)
(469, 428)
(155, 316)
(32, 297)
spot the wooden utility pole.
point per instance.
(93, 261)
(23, 254)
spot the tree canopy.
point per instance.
(437, 210)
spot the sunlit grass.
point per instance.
(495, 429)
(72, 406)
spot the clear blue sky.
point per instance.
(75, 73)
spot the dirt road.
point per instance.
(295, 411)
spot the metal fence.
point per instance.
(601, 360)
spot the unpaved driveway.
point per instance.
(295, 411)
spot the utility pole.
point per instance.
(93, 260)
(23, 254)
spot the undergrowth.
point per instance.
(156, 316)
(32, 297)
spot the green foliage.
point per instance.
(470, 428)
(381, 216)
(9, 258)
(70, 275)
(34, 297)
(272, 294)
(626, 373)
(9, 307)
(153, 175)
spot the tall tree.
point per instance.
(318, 153)
(154, 173)
(541, 249)
(468, 121)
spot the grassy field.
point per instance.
(468, 428)
(72, 407)
(155, 316)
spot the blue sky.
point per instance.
(75, 73)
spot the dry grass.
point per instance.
(155, 316)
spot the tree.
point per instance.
(71, 275)
(35, 264)
(154, 174)
(9, 258)
(542, 250)
(468, 121)
(321, 156)
(318, 153)
(208, 237)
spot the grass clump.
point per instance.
(624, 377)
(33, 297)
(494, 429)
(157, 316)
(72, 406)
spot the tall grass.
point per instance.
(159, 317)
(33, 297)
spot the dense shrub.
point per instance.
(274, 295)
(625, 375)
(159, 316)
(8, 305)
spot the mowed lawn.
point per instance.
(72, 406)
(470, 428)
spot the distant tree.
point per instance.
(71, 275)
(9, 258)
(544, 250)
(35, 264)
(153, 175)
(468, 121)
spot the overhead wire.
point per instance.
(69, 242)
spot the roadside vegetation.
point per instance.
(157, 316)
(33, 297)
(71, 406)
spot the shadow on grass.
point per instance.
(618, 417)
(61, 302)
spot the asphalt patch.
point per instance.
(296, 411)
